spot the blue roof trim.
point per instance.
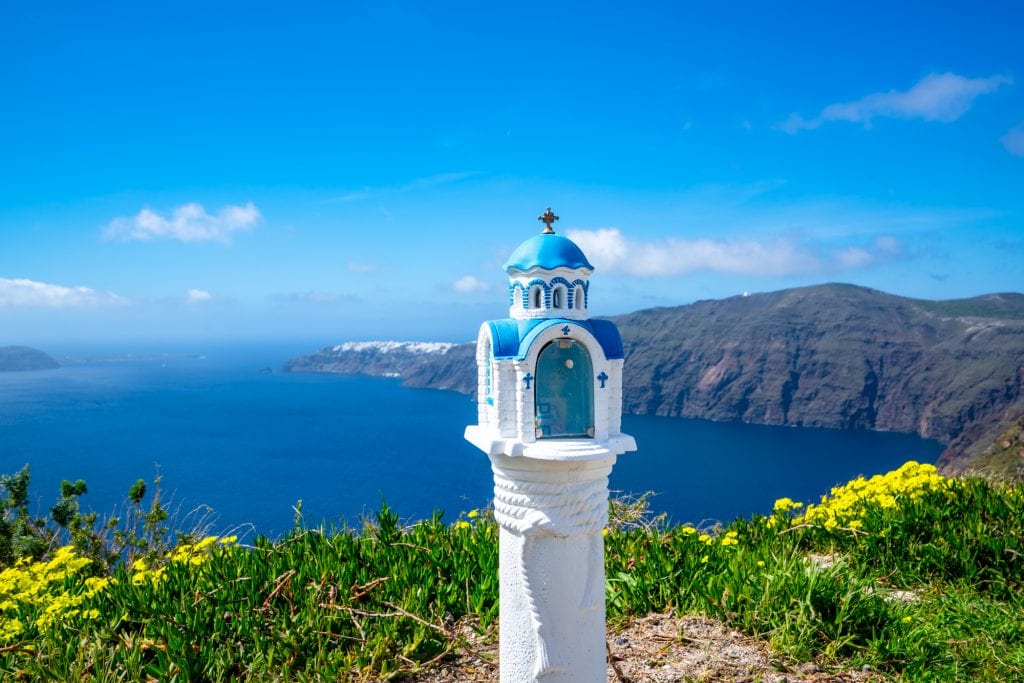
(607, 335)
(548, 252)
(511, 338)
(505, 336)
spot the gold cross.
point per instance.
(548, 218)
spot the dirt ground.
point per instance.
(661, 649)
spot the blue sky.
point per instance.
(337, 171)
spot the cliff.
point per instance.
(378, 358)
(19, 358)
(835, 356)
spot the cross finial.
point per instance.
(547, 218)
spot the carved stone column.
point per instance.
(551, 514)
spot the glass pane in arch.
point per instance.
(564, 390)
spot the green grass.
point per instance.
(927, 589)
(930, 590)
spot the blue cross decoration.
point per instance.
(602, 378)
(565, 330)
(528, 377)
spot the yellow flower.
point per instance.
(206, 543)
(473, 514)
(760, 563)
(10, 629)
(704, 560)
(463, 524)
(705, 539)
(688, 530)
(49, 591)
(784, 505)
(847, 503)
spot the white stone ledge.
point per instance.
(549, 449)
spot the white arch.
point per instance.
(536, 296)
(579, 299)
(599, 362)
(558, 296)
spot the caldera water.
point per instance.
(225, 434)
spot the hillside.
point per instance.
(20, 358)
(382, 359)
(835, 356)
(998, 452)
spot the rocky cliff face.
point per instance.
(833, 356)
(19, 358)
(455, 370)
(830, 356)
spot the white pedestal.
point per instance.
(551, 514)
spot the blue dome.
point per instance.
(547, 251)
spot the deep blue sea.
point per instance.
(250, 445)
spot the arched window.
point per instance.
(536, 297)
(577, 298)
(564, 390)
(558, 297)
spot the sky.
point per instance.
(192, 172)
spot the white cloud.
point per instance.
(198, 295)
(887, 244)
(29, 293)
(187, 223)
(852, 258)
(469, 283)
(1013, 141)
(936, 97)
(611, 251)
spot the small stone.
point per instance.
(866, 668)
(808, 668)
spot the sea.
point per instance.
(238, 445)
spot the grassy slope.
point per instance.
(999, 453)
(921, 580)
